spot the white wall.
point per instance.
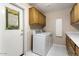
(51, 24)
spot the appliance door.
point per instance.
(11, 41)
(39, 44)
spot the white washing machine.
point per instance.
(42, 42)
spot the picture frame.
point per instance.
(12, 19)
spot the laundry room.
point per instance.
(39, 29)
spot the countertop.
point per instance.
(74, 36)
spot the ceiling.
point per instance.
(47, 7)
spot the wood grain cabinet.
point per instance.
(36, 18)
(77, 50)
(72, 48)
(74, 14)
(42, 19)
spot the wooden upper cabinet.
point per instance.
(44, 21)
(40, 18)
(33, 16)
(74, 14)
(36, 18)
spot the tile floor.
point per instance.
(56, 50)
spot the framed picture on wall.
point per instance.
(12, 19)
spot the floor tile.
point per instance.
(56, 50)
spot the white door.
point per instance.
(11, 41)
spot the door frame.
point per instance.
(14, 4)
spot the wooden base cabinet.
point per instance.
(77, 50)
(72, 48)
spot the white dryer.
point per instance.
(42, 43)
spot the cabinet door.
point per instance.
(71, 50)
(67, 44)
(40, 18)
(78, 10)
(33, 16)
(70, 46)
(75, 12)
(44, 21)
(72, 16)
(77, 22)
(36, 18)
(77, 51)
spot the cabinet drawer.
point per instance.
(77, 51)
